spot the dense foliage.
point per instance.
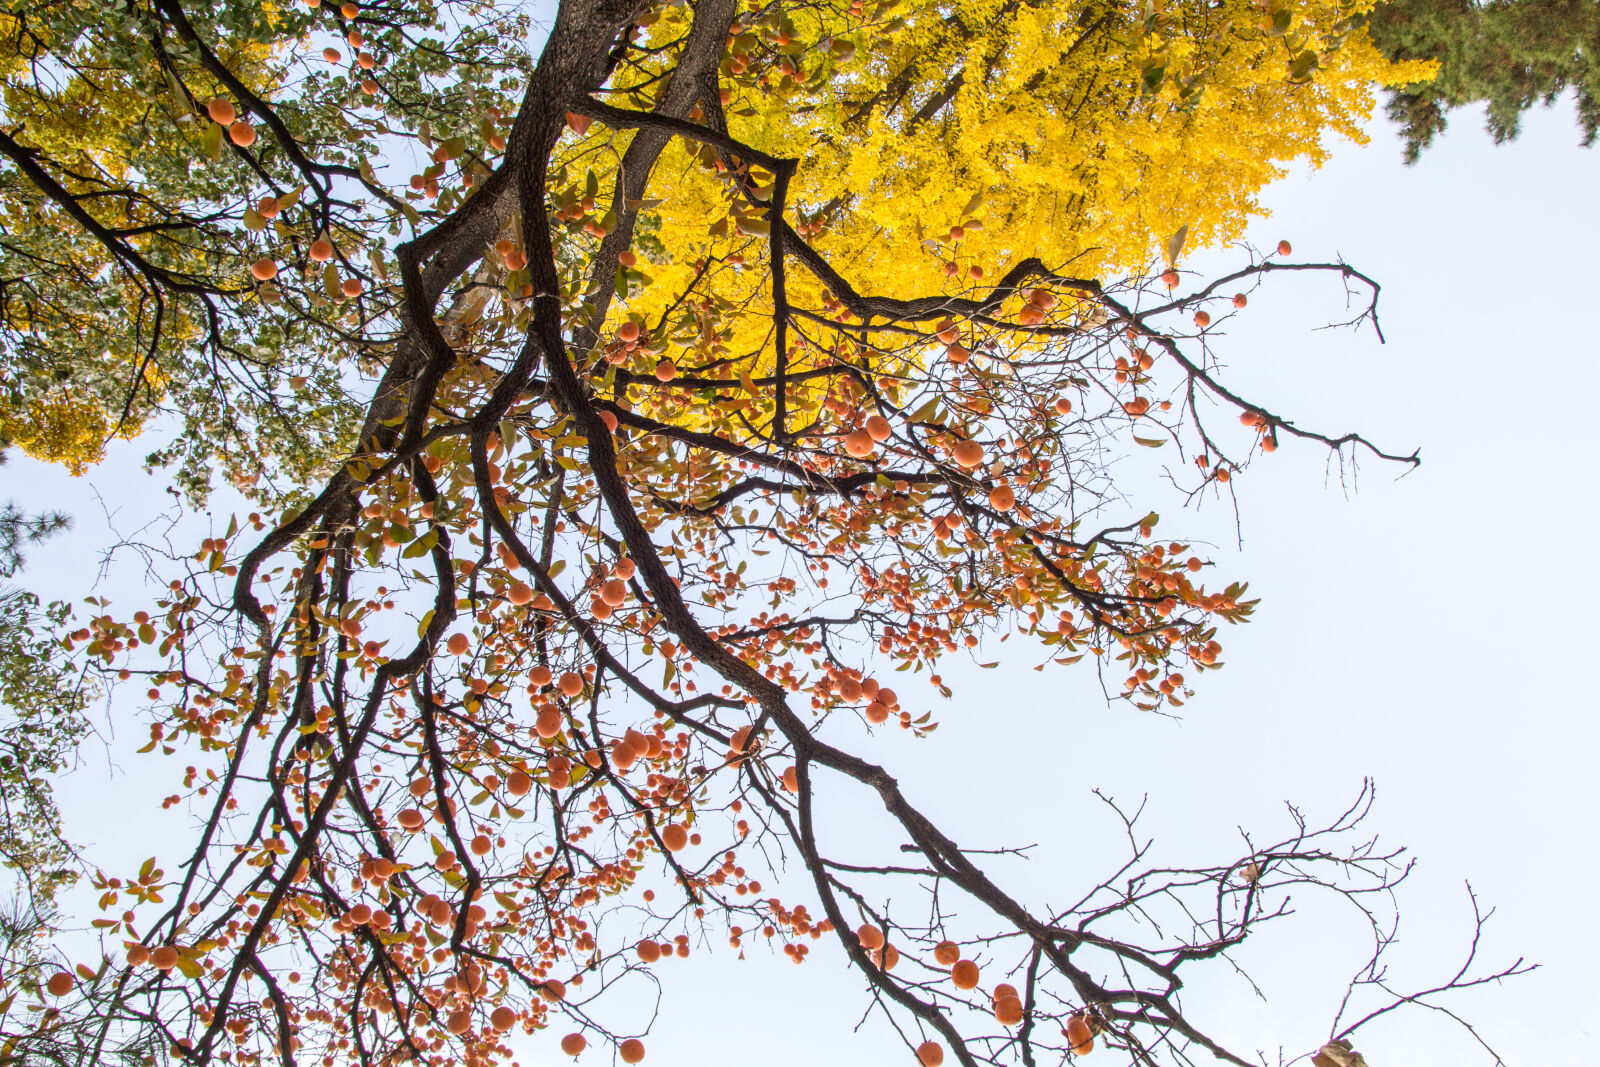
(44, 697)
(1507, 55)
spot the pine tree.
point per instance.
(1508, 56)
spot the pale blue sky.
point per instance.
(1422, 630)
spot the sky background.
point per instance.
(1422, 630)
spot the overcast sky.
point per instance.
(1421, 630)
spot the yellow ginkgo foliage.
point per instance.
(985, 132)
(58, 428)
(86, 341)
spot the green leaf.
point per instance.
(421, 546)
(928, 412)
(1149, 442)
(211, 141)
(180, 99)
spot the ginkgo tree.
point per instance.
(705, 381)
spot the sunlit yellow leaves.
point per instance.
(59, 428)
(1090, 133)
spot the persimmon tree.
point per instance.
(720, 367)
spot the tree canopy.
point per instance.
(1507, 55)
(624, 422)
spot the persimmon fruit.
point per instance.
(1080, 1035)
